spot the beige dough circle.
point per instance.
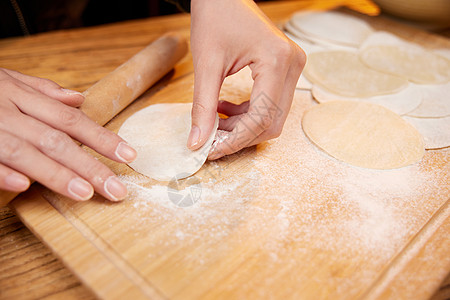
(363, 134)
(343, 73)
(412, 63)
(159, 134)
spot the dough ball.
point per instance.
(363, 134)
(159, 133)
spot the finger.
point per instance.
(263, 109)
(21, 156)
(207, 82)
(77, 125)
(49, 88)
(229, 123)
(59, 147)
(231, 109)
(274, 110)
(11, 180)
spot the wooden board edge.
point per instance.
(103, 278)
(412, 266)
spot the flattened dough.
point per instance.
(387, 53)
(159, 134)
(435, 102)
(435, 131)
(401, 103)
(363, 134)
(332, 26)
(343, 73)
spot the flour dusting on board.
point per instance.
(278, 201)
(304, 195)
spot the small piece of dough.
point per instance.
(435, 131)
(363, 134)
(159, 134)
(332, 26)
(385, 52)
(343, 73)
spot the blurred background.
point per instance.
(25, 17)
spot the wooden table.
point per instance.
(28, 270)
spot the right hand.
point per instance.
(38, 118)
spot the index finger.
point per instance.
(263, 110)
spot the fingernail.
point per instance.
(71, 92)
(17, 182)
(115, 189)
(125, 153)
(80, 189)
(194, 137)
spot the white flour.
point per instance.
(291, 193)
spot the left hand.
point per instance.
(226, 36)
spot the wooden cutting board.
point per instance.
(280, 220)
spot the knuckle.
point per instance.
(273, 132)
(265, 121)
(97, 173)
(58, 176)
(12, 148)
(198, 108)
(70, 116)
(46, 83)
(282, 52)
(106, 139)
(7, 83)
(54, 142)
(299, 60)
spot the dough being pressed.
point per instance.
(343, 73)
(159, 134)
(363, 134)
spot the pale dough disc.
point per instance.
(387, 53)
(401, 102)
(435, 102)
(319, 42)
(435, 131)
(363, 134)
(444, 52)
(159, 134)
(343, 73)
(332, 26)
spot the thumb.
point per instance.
(207, 85)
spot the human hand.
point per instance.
(227, 35)
(37, 120)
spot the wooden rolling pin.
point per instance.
(117, 90)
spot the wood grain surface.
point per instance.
(29, 270)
